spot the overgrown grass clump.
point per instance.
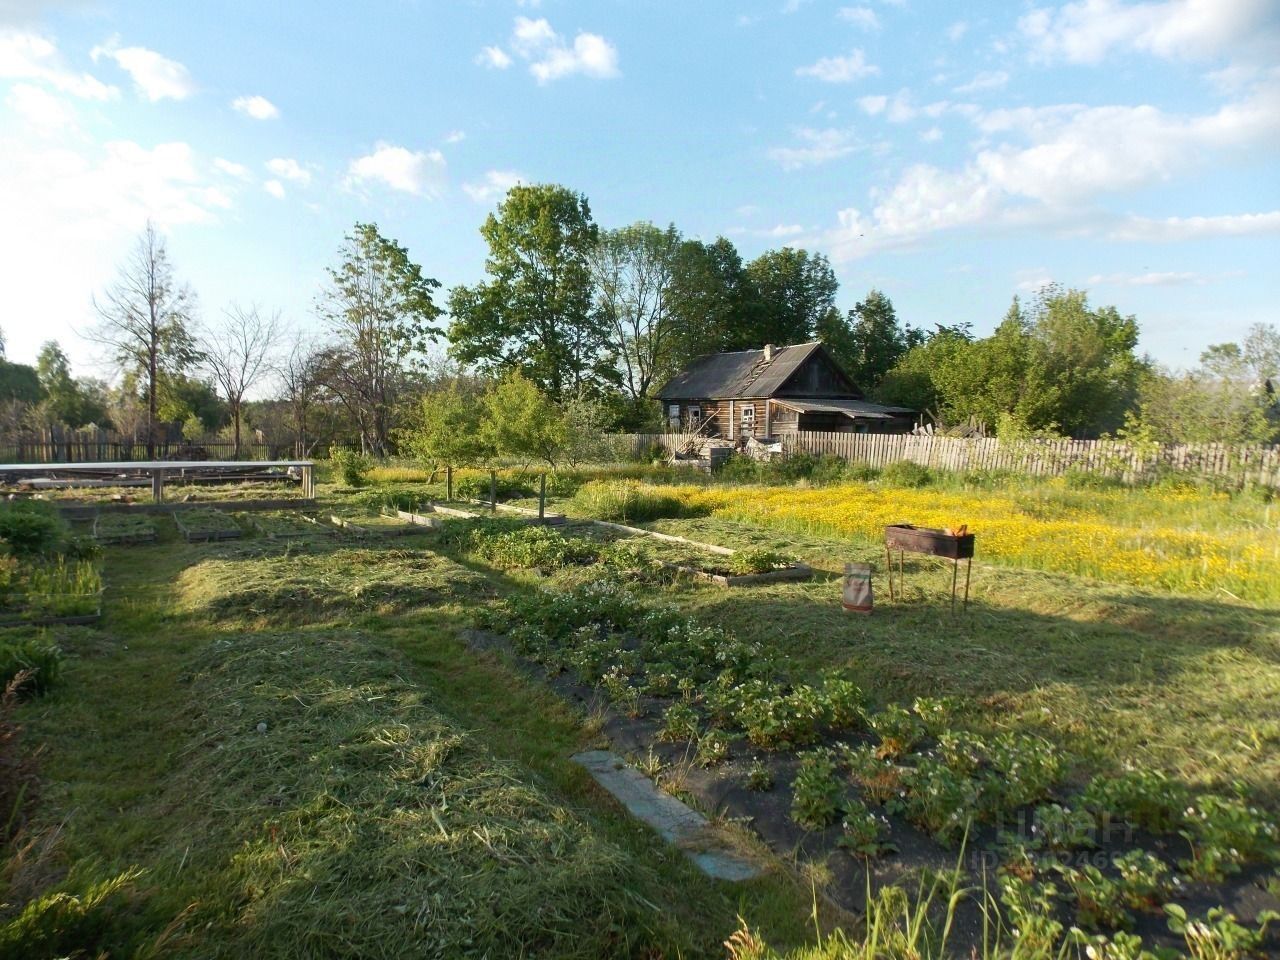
(34, 656)
(625, 501)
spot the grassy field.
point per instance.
(284, 747)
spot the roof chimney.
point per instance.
(768, 352)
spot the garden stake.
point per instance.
(542, 499)
(493, 491)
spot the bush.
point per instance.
(861, 472)
(350, 465)
(31, 527)
(625, 501)
(905, 473)
(477, 488)
(739, 468)
(756, 560)
(41, 658)
(1077, 478)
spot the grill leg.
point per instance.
(955, 572)
(968, 572)
(888, 556)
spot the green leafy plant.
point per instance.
(1019, 769)
(625, 501)
(1219, 935)
(881, 780)
(816, 791)
(1100, 901)
(713, 748)
(1030, 907)
(756, 560)
(1225, 833)
(31, 527)
(934, 798)
(680, 722)
(863, 830)
(899, 731)
(758, 777)
(1060, 828)
(38, 659)
(938, 714)
(1145, 880)
(904, 473)
(352, 466)
(1143, 798)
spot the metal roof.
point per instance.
(742, 373)
(857, 409)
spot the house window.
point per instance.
(673, 414)
(695, 416)
(749, 419)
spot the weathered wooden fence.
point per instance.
(87, 446)
(1045, 458)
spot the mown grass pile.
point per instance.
(250, 583)
(351, 815)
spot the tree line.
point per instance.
(578, 326)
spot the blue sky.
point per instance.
(950, 154)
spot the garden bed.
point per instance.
(124, 529)
(370, 525)
(871, 797)
(286, 526)
(201, 524)
(42, 593)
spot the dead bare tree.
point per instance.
(299, 374)
(144, 318)
(237, 353)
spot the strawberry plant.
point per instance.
(935, 799)
(879, 779)
(1060, 828)
(1219, 936)
(713, 749)
(816, 792)
(1143, 798)
(1224, 834)
(1100, 901)
(898, 729)
(863, 831)
(938, 714)
(758, 777)
(1145, 880)
(680, 722)
(1030, 908)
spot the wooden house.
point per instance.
(772, 392)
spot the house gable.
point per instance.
(819, 376)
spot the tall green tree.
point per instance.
(67, 400)
(449, 429)
(869, 341)
(1088, 358)
(380, 312)
(521, 422)
(795, 290)
(633, 269)
(534, 313)
(713, 305)
(144, 318)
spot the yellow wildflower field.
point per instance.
(1154, 551)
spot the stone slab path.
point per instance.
(674, 821)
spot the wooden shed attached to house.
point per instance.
(772, 392)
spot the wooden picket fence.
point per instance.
(1234, 463)
(107, 446)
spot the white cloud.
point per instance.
(40, 108)
(156, 77)
(839, 69)
(985, 80)
(231, 168)
(417, 173)
(932, 135)
(286, 168)
(492, 186)
(900, 109)
(815, 147)
(1088, 30)
(1146, 229)
(259, 108)
(455, 136)
(957, 30)
(495, 58)
(1033, 279)
(30, 56)
(275, 188)
(87, 200)
(550, 56)
(862, 17)
(782, 231)
(1050, 166)
(1158, 279)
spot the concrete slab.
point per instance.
(675, 822)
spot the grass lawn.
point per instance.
(285, 747)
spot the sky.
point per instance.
(951, 155)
